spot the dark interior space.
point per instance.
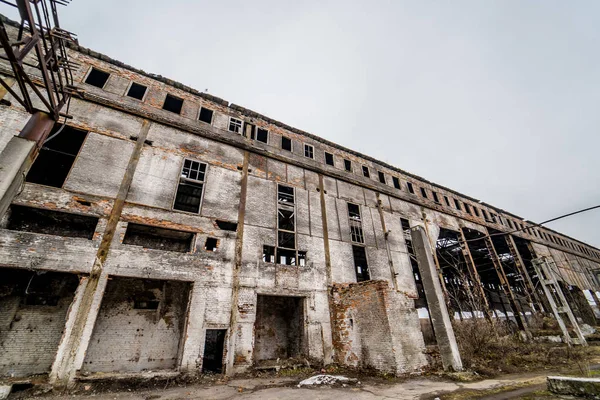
(212, 361)
(152, 237)
(97, 78)
(56, 156)
(360, 264)
(137, 91)
(37, 220)
(173, 104)
(279, 328)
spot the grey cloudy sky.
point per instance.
(496, 99)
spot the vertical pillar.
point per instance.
(442, 325)
(531, 292)
(191, 356)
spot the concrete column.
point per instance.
(191, 358)
(440, 319)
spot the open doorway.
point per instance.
(213, 351)
(279, 328)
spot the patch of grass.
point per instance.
(293, 372)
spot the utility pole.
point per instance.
(43, 88)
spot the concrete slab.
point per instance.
(582, 387)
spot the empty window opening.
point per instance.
(396, 182)
(50, 222)
(476, 211)
(410, 187)
(268, 254)
(423, 193)
(467, 208)
(286, 240)
(381, 176)
(286, 256)
(173, 104)
(226, 225)
(447, 201)
(34, 307)
(356, 231)
(211, 244)
(152, 237)
(286, 143)
(485, 215)
(328, 158)
(360, 263)
(56, 157)
(493, 216)
(138, 316)
(365, 171)
(309, 151)
(235, 125)
(206, 115)
(457, 204)
(137, 91)
(285, 194)
(214, 344)
(262, 135)
(97, 78)
(279, 328)
(348, 165)
(436, 198)
(286, 220)
(191, 186)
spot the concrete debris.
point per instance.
(581, 387)
(328, 380)
(5, 391)
(587, 330)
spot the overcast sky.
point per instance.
(496, 99)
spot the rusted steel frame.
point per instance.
(474, 275)
(512, 246)
(237, 262)
(517, 311)
(387, 243)
(85, 306)
(13, 93)
(26, 100)
(325, 230)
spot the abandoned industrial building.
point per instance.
(164, 229)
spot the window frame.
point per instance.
(97, 69)
(381, 177)
(179, 178)
(396, 182)
(332, 158)
(291, 150)
(348, 165)
(266, 132)
(212, 117)
(311, 152)
(129, 88)
(366, 172)
(241, 126)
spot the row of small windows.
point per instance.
(188, 197)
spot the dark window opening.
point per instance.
(360, 263)
(447, 201)
(457, 204)
(348, 165)
(268, 254)
(56, 157)
(476, 211)
(173, 104)
(286, 143)
(137, 91)
(435, 197)
(396, 182)
(381, 176)
(286, 240)
(152, 237)
(354, 211)
(145, 304)
(328, 158)
(365, 170)
(191, 186)
(262, 135)
(285, 220)
(214, 344)
(410, 188)
(37, 288)
(356, 232)
(424, 192)
(493, 216)
(510, 224)
(309, 151)
(206, 115)
(211, 244)
(49, 222)
(485, 215)
(226, 225)
(97, 78)
(285, 194)
(467, 208)
(286, 257)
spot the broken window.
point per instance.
(436, 198)
(56, 157)
(285, 194)
(211, 244)
(309, 151)
(190, 188)
(285, 253)
(286, 143)
(457, 204)
(97, 78)
(467, 208)
(206, 115)
(423, 193)
(447, 201)
(485, 215)
(137, 91)
(356, 231)
(50, 222)
(410, 187)
(153, 237)
(226, 225)
(173, 104)
(493, 216)
(381, 176)
(396, 182)
(268, 254)
(365, 170)
(360, 263)
(286, 240)
(235, 125)
(329, 158)
(302, 258)
(285, 220)
(348, 165)
(262, 135)
(286, 256)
